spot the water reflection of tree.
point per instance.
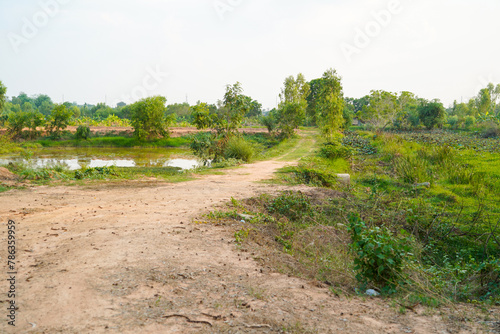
(150, 159)
(149, 162)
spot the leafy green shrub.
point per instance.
(7, 145)
(95, 173)
(315, 177)
(413, 118)
(335, 151)
(148, 118)
(241, 235)
(16, 122)
(467, 279)
(239, 148)
(378, 254)
(292, 205)
(491, 130)
(469, 121)
(41, 174)
(83, 132)
(453, 121)
(37, 174)
(58, 120)
(202, 146)
(431, 114)
(270, 121)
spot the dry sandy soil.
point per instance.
(128, 258)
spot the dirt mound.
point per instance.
(5, 174)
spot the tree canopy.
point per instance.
(148, 118)
(292, 108)
(3, 95)
(431, 114)
(330, 104)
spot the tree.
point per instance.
(16, 121)
(382, 109)
(293, 105)
(484, 102)
(494, 93)
(46, 107)
(270, 121)
(407, 116)
(58, 120)
(233, 110)
(101, 111)
(431, 114)
(227, 119)
(21, 99)
(35, 119)
(181, 110)
(3, 96)
(315, 87)
(224, 123)
(75, 111)
(254, 107)
(357, 104)
(347, 115)
(148, 118)
(41, 99)
(330, 105)
(202, 118)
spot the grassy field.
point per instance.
(420, 219)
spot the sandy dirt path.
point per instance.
(128, 258)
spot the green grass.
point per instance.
(279, 149)
(306, 145)
(454, 224)
(8, 146)
(290, 149)
(61, 175)
(170, 174)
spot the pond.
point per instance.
(76, 158)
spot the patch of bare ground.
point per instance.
(129, 259)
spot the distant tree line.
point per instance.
(318, 102)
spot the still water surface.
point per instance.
(76, 158)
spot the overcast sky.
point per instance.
(122, 50)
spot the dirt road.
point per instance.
(127, 258)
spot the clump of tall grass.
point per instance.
(412, 169)
(239, 148)
(441, 156)
(462, 174)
